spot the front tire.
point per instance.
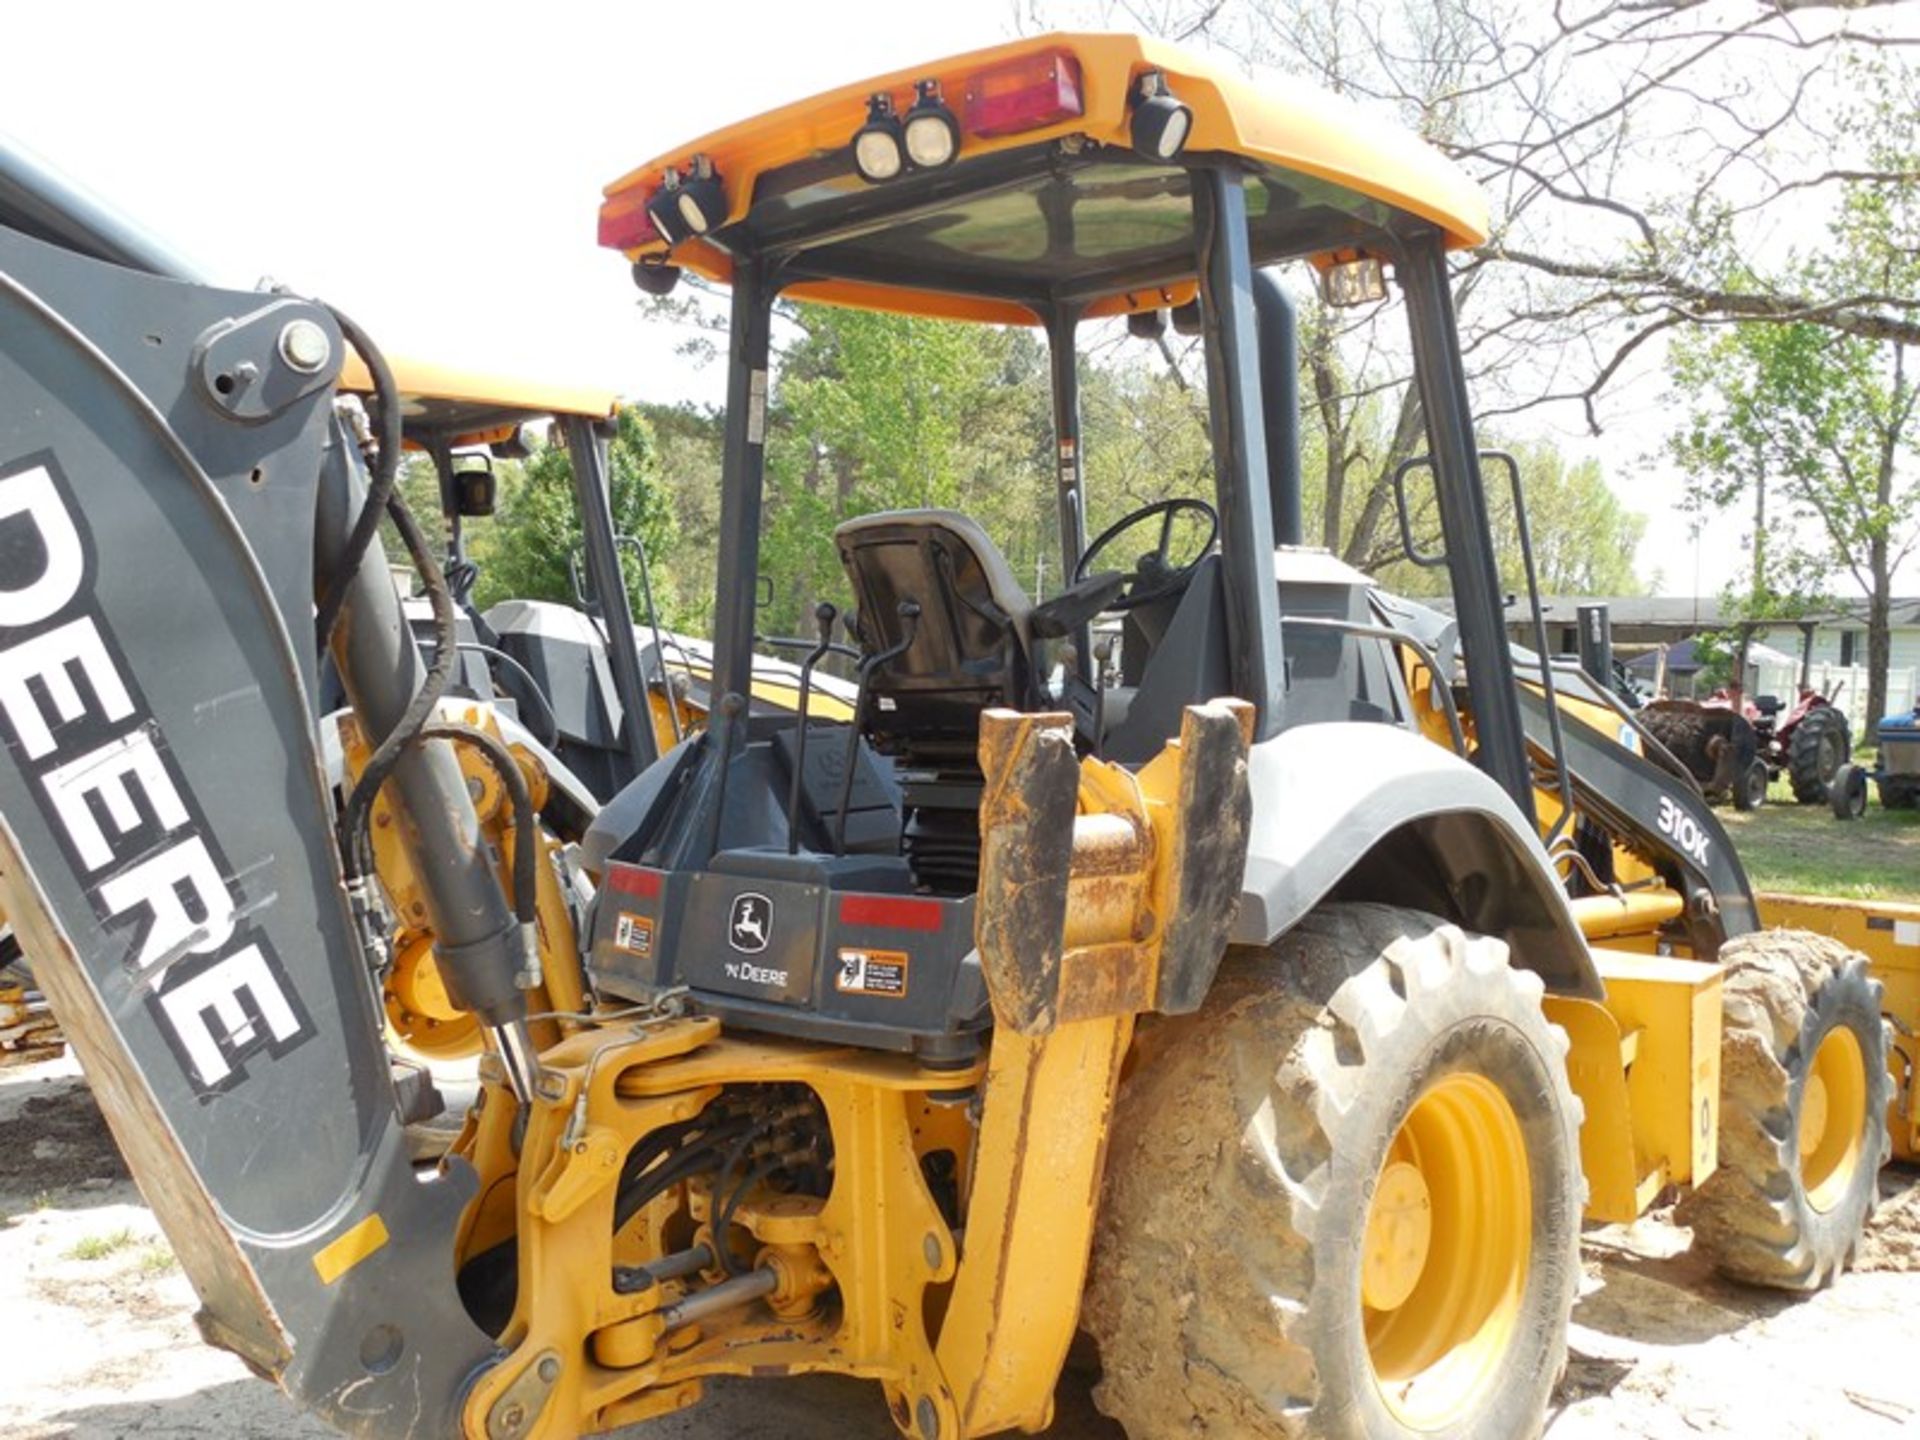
(1344, 1198)
(1804, 1089)
(1847, 796)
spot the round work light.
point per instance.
(702, 198)
(654, 277)
(1161, 123)
(932, 132)
(664, 209)
(879, 149)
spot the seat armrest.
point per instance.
(1075, 606)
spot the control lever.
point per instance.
(1102, 661)
(909, 611)
(824, 614)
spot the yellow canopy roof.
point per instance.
(1295, 128)
(473, 408)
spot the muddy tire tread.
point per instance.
(1207, 1320)
(1785, 989)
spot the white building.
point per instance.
(1837, 637)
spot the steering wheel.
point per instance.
(1152, 575)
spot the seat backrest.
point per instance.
(970, 645)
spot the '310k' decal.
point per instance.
(91, 751)
(1684, 830)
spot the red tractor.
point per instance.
(1809, 743)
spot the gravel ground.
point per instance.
(99, 1341)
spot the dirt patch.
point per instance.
(1660, 1349)
(56, 1140)
(1892, 1242)
(129, 1293)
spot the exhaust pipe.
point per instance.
(1277, 331)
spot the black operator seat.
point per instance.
(970, 646)
(975, 641)
(972, 642)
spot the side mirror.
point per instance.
(474, 491)
(517, 446)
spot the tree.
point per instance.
(1637, 156)
(879, 412)
(1640, 157)
(1143, 437)
(419, 489)
(686, 468)
(1583, 536)
(1824, 419)
(527, 550)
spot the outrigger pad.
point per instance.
(1026, 855)
(1210, 863)
(1157, 908)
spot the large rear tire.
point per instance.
(1804, 1088)
(1344, 1199)
(1821, 744)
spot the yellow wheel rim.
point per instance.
(1444, 1256)
(1833, 1115)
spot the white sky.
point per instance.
(434, 168)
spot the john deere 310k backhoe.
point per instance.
(1192, 994)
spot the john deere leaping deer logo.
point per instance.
(752, 918)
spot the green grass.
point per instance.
(1804, 850)
(98, 1247)
(157, 1260)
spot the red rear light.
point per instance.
(632, 880)
(886, 913)
(623, 220)
(1024, 94)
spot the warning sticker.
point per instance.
(634, 934)
(757, 408)
(872, 972)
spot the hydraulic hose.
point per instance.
(485, 955)
(446, 653)
(386, 400)
(500, 657)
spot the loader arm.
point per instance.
(166, 835)
(1663, 817)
